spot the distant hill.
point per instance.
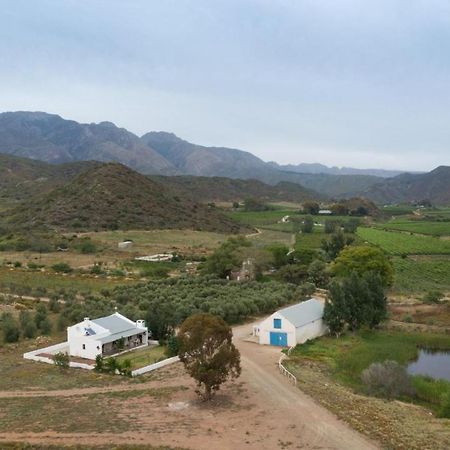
(112, 196)
(433, 186)
(50, 138)
(317, 168)
(216, 189)
(22, 177)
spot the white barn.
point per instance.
(106, 336)
(293, 325)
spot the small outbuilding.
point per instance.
(293, 325)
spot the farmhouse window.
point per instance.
(277, 323)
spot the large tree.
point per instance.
(362, 259)
(355, 301)
(208, 353)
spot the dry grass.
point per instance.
(395, 424)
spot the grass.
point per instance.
(82, 414)
(23, 281)
(396, 243)
(349, 355)
(160, 241)
(260, 218)
(421, 274)
(418, 226)
(17, 373)
(144, 357)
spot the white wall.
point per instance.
(294, 335)
(266, 326)
(311, 331)
(90, 351)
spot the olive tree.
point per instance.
(208, 353)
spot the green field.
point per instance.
(349, 355)
(310, 241)
(418, 226)
(422, 274)
(261, 218)
(397, 243)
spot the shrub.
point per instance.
(88, 247)
(61, 360)
(99, 363)
(62, 268)
(433, 297)
(307, 225)
(173, 346)
(10, 328)
(444, 410)
(387, 379)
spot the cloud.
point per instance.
(359, 83)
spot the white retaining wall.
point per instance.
(155, 366)
(53, 349)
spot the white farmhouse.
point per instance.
(293, 325)
(106, 336)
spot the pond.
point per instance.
(435, 364)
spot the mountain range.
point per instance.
(50, 138)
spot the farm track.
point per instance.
(261, 395)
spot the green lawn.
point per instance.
(144, 357)
(397, 243)
(349, 355)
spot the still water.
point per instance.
(435, 364)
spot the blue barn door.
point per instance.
(278, 339)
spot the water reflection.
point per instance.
(435, 364)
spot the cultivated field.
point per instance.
(397, 243)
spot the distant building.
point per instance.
(105, 336)
(246, 273)
(156, 258)
(325, 212)
(125, 244)
(293, 325)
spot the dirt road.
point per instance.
(317, 427)
(262, 410)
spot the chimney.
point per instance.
(86, 321)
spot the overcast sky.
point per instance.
(342, 82)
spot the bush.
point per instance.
(99, 364)
(61, 360)
(433, 297)
(387, 379)
(62, 268)
(173, 346)
(307, 225)
(88, 247)
(444, 410)
(10, 328)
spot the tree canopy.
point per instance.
(208, 353)
(363, 259)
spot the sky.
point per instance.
(359, 83)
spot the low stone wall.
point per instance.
(155, 366)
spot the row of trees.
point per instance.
(28, 325)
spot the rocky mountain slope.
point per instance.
(112, 196)
(433, 186)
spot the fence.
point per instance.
(284, 371)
